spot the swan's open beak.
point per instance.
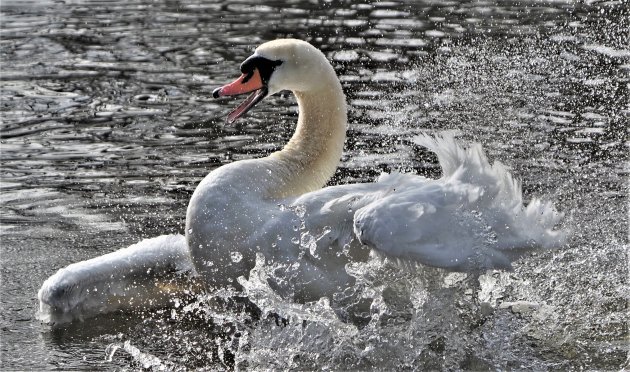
(249, 82)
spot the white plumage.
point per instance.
(140, 276)
(471, 219)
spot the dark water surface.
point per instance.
(108, 124)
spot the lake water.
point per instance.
(108, 124)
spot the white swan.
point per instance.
(471, 219)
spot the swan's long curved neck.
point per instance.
(310, 158)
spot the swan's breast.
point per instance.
(226, 210)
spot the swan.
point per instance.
(470, 220)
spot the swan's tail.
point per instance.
(518, 227)
(145, 275)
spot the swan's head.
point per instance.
(284, 64)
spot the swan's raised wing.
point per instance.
(471, 219)
(436, 223)
(401, 216)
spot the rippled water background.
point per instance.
(108, 125)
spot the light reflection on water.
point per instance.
(108, 124)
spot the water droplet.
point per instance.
(236, 257)
(110, 350)
(309, 242)
(190, 231)
(300, 211)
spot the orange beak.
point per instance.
(250, 82)
(245, 84)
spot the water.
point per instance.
(108, 124)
